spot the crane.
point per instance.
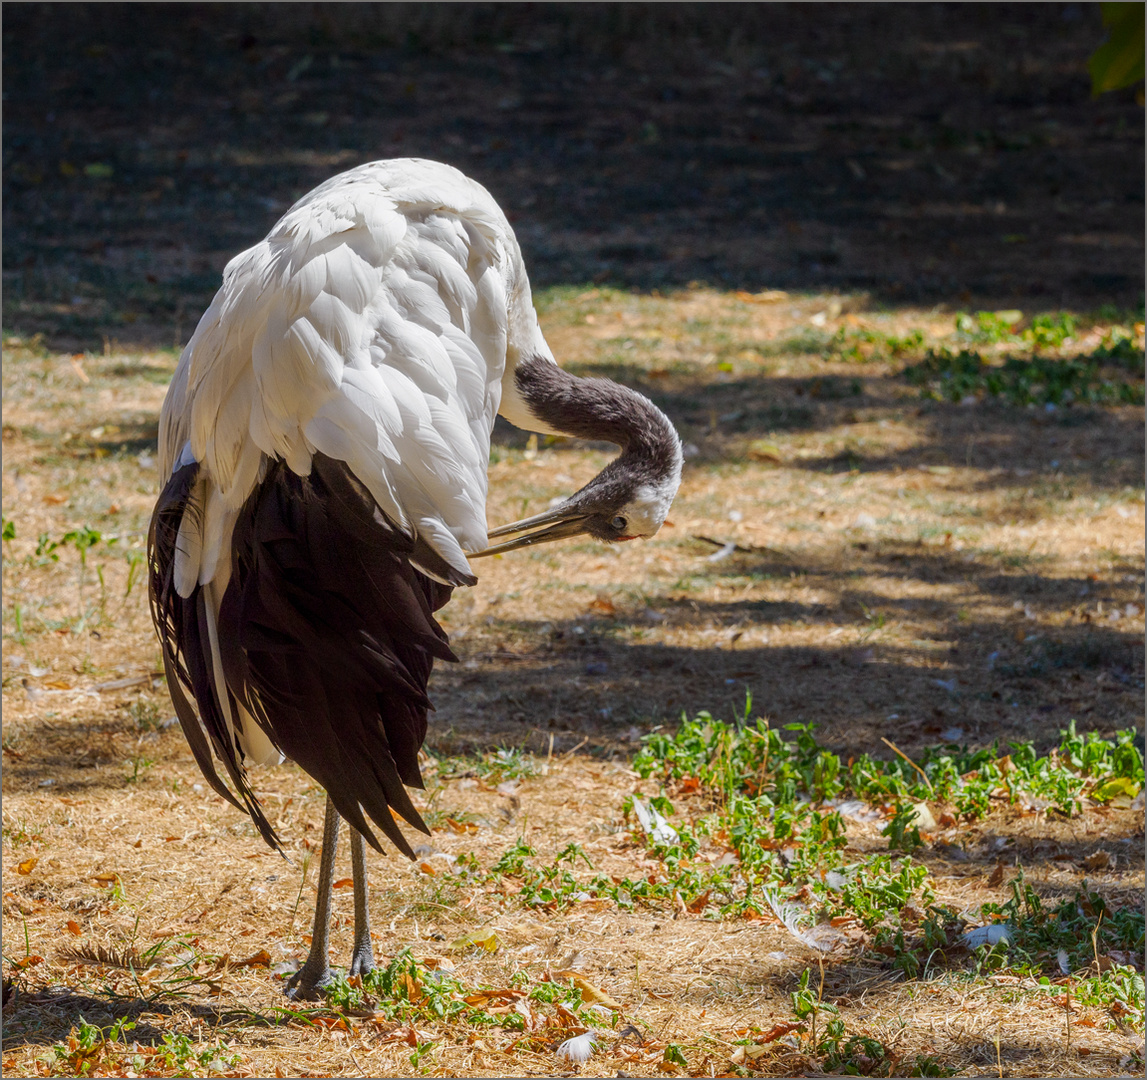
(323, 449)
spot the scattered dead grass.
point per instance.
(901, 569)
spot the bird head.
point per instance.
(599, 510)
(629, 499)
(631, 496)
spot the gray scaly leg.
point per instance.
(309, 981)
(362, 958)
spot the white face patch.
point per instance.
(646, 512)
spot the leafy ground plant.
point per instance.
(772, 811)
(949, 376)
(91, 1050)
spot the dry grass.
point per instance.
(902, 568)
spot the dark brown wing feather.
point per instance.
(327, 636)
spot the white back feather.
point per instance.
(371, 325)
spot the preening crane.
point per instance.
(324, 446)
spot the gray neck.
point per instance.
(598, 409)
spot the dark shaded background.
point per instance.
(936, 154)
(920, 153)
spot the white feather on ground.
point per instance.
(580, 1048)
(822, 938)
(656, 827)
(987, 935)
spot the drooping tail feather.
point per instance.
(181, 625)
(326, 636)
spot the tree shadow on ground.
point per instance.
(608, 695)
(1011, 449)
(917, 153)
(49, 1015)
(720, 418)
(984, 676)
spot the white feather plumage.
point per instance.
(823, 937)
(373, 325)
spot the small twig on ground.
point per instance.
(896, 750)
(750, 550)
(302, 885)
(569, 753)
(123, 684)
(730, 546)
(1067, 1017)
(75, 362)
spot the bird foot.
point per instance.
(308, 983)
(361, 961)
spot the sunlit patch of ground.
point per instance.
(846, 551)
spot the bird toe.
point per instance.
(361, 963)
(308, 984)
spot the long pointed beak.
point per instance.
(556, 524)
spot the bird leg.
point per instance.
(310, 980)
(362, 958)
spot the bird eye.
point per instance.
(619, 523)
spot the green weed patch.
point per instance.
(945, 375)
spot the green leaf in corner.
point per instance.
(1118, 62)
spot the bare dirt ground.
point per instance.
(900, 568)
(907, 570)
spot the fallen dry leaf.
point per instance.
(590, 994)
(74, 928)
(481, 997)
(262, 958)
(780, 1029)
(343, 883)
(484, 938)
(27, 866)
(334, 1023)
(1097, 860)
